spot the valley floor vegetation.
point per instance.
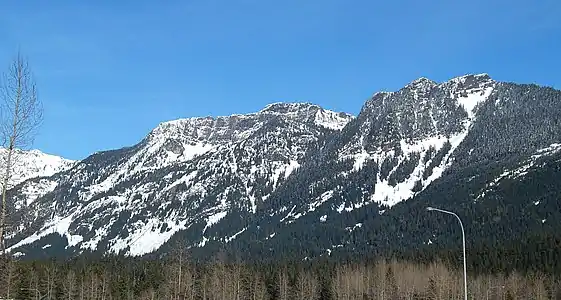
(180, 278)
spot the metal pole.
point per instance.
(463, 245)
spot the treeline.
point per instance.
(180, 278)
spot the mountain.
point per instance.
(297, 181)
(186, 175)
(489, 151)
(33, 164)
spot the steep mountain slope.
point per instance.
(185, 175)
(398, 145)
(450, 145)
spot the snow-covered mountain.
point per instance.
(33, 163)
(400, 143)
(297, 180)
(186, 174)
(446, 143)
(36, 166)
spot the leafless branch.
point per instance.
(21, 114)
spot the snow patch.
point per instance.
(473, 99)
(34, 190)
(146, 238)
(57, 225)
(91, 244)
(360, 159)
(388, 195)
(312, 206)
(291, 167)
(233, 237)
(331, 120)
(213, 219)
(351, 229)
(183, 180)
(202, 243)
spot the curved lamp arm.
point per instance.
(463, 243)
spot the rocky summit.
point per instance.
(296, 180)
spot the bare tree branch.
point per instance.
(21, 114)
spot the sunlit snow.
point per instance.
(233, 237)
(330, 120)
(57, 225)
(146, 238)
(473, 99)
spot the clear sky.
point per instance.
(110, 71)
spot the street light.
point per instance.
(463, 244)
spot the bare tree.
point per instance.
(22, 114)
(258, 287)
(7, 274)
(306, 286)
(283, 284)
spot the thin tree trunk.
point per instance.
(179, 279)
(9, 281)
(6, 180)
(13, 134)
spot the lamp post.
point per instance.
(463, 244)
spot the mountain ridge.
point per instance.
(302, 180)
(171, 150)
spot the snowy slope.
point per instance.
(282, 175)
(418, 146)
(33, 163)
(398, 145)
(185, 175)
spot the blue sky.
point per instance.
(110, 71)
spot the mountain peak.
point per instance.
(421, 82)
(471, 78)
(467, 79)
(305, 110)
(286, 107)
(35, 163)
